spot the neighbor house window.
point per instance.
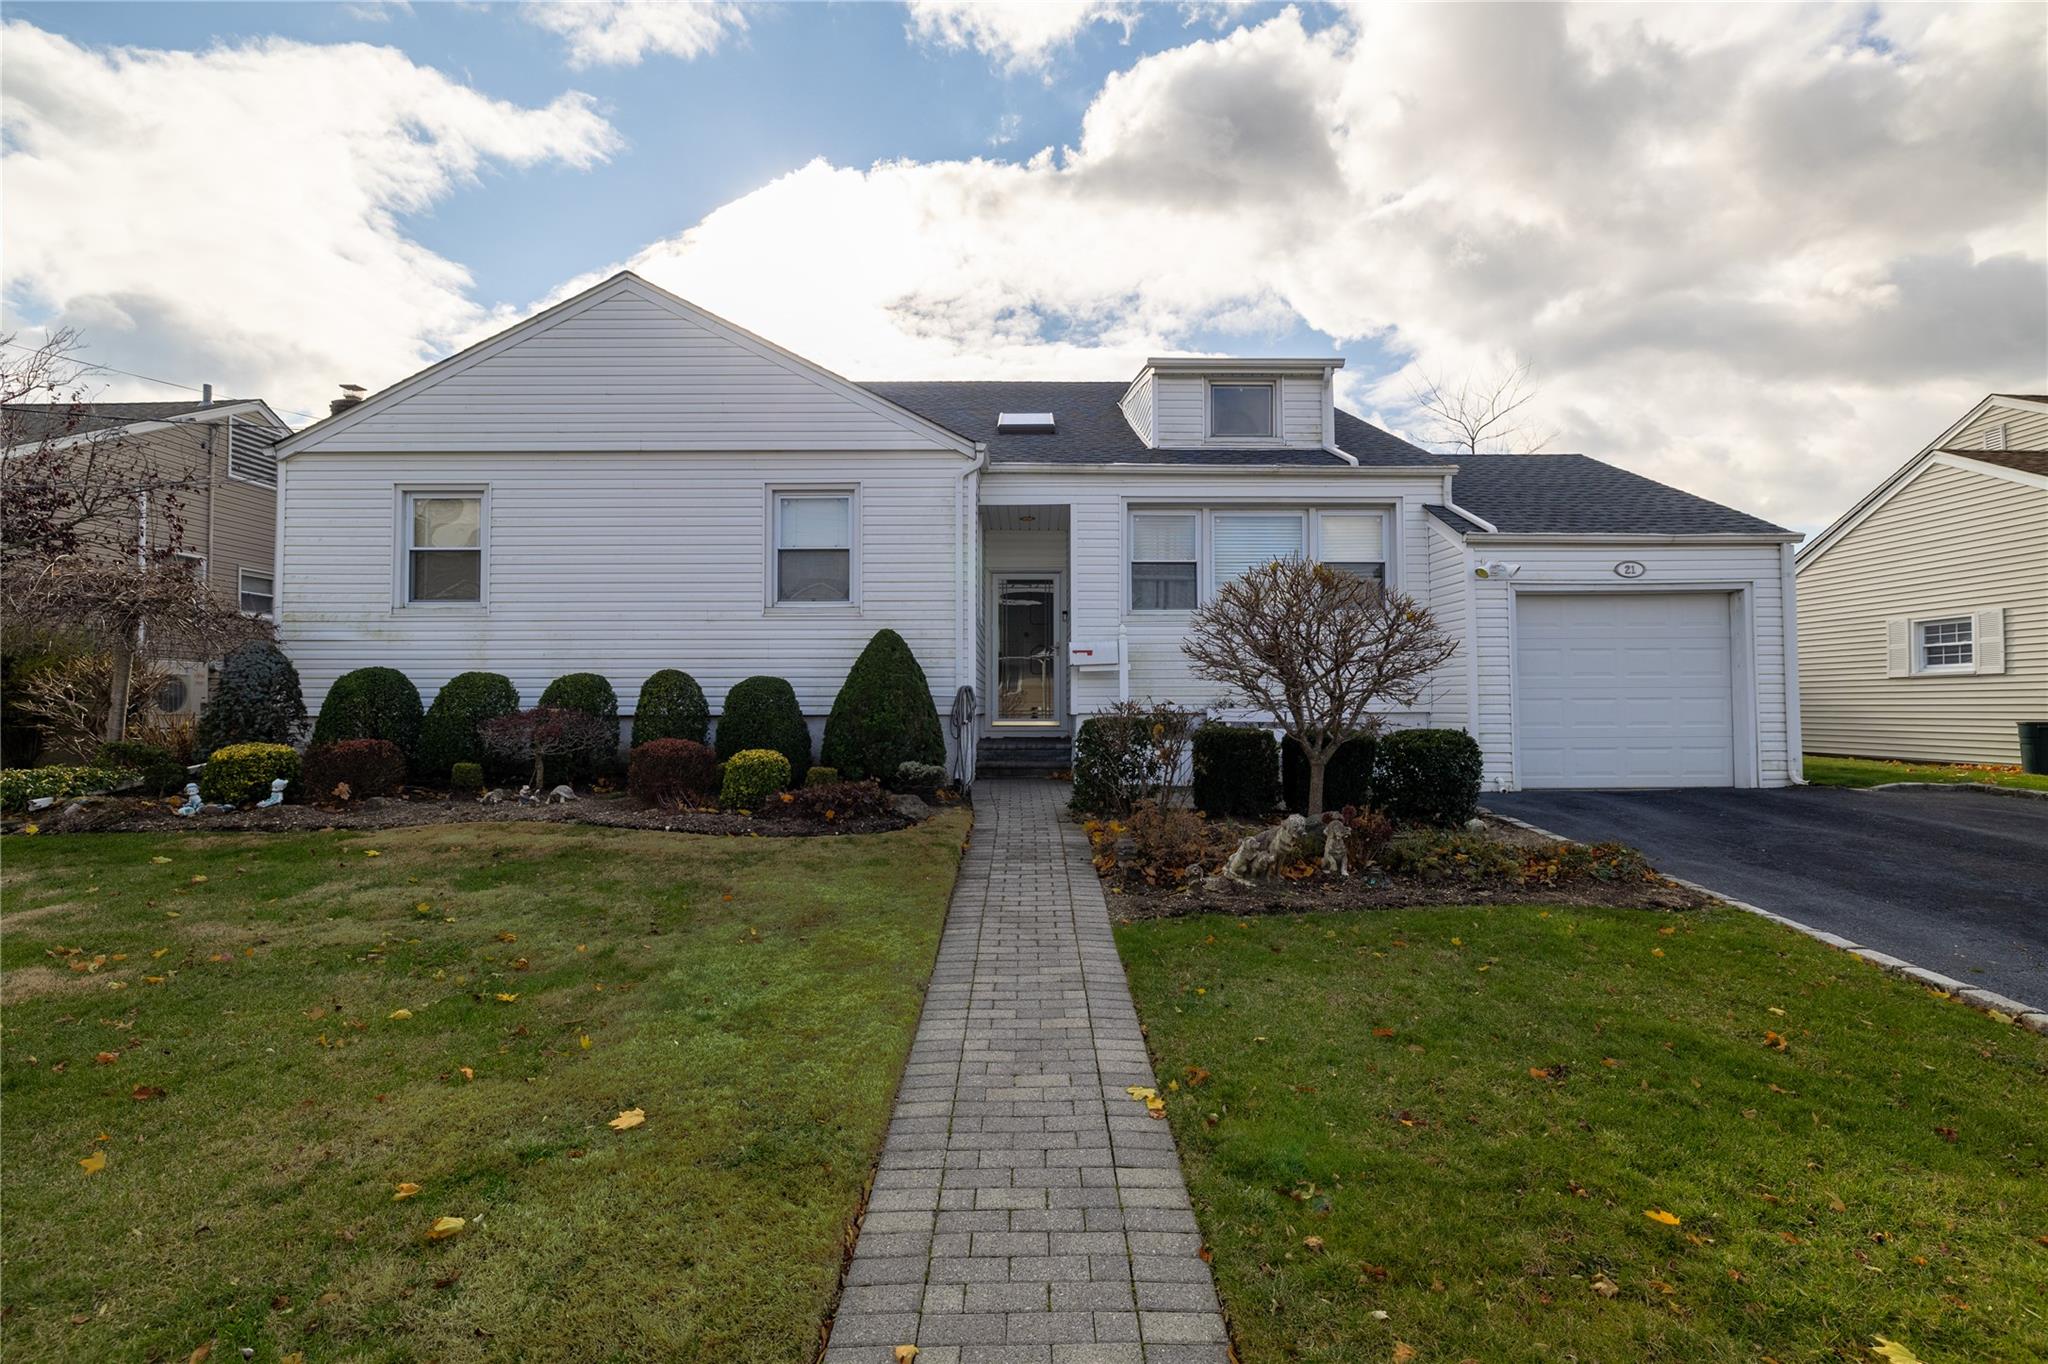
(444, 547)
(192, 564)
(1165, 555)
(1240, 410)
(813, 547)
(258, 593)
(1354, 543)
(1245, 540)
(1945, 645)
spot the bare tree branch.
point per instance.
(1481, 414)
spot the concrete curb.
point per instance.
(2019, 791)
(2026, 1015)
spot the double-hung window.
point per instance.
(1354, 543)
(814, 547)
(1165, 560)
(258, 593)
(1946, 645)
(1242, 541)
(444, 548)
(1241, 411)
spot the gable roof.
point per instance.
(1568, 494)
(32, 423)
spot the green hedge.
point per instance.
(1429, 776)
(752, 775)
(664, 772)
(161, 772)
(371, 703)
(20, 785)
(242, 773)
(762, 712)
(368, 767)
(1346, 781)
(1237, 770)
(672, 706)
(448, 734)
(884, 715)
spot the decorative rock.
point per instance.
(562, 795)
(1261, 856)
(912, 809)
(1218, 885)
(494, 796)
(41, 803)
(1475, 826)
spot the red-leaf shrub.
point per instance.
(830, 803)
(673, 772)
(368, 767)
(571, 739)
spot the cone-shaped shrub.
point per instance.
(672, 706)
(448, 734)
(371, 703)
(884, 716)
(762, 712)
(256, 701)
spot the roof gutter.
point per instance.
(1266, 470)
(1507, 538)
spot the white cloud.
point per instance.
(1021, 35)
(621, 32)
(233, 214)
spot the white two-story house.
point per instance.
(624, 483)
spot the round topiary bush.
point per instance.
(257, 699)
(466, 777)
(371, 703)
(448, 734)
(1429, 776)
(752, 776)
(762, 712)
(590, 693)
(241, 773)
(1237, 770)
(673, 772)
(883, 716)
(367, 767)
(161, 773)
(672, 706)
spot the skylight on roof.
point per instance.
(1024, 423)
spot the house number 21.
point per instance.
(1629, 568)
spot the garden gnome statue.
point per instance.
(192, 802)
(276, 796)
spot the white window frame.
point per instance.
(401, 583)
(1386, 520)
(1917, 641)
(773, 568)
(195, 559)
(242, 576)
(1205, 567)
(1216, 514)
(1131, 514)
(1272, 387)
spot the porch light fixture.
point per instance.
(1494, 568)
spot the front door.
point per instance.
(1028, 665)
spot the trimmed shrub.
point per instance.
(466, 777)
(570, 741)
(752, 776)
(883, 716)
(762, 712)
(241, 773)
(821, 776)
(159, 769)
(1346, 781)
(367, 767)
(20, 785)
(1237, 770)
(1131, 752)
(673, 771)
(831, 802)
(921, 778)
(256, 700)
(1428, 776)
(590, 693)
(448, 733)
(672, 706)
(371, 703)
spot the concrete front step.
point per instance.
(1023, 756)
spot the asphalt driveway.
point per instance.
(1954, 881)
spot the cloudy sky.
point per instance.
(1763, 253)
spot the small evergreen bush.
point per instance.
(242, 773)
(831, 802)
(762, 712)
(371, 703)
(590, 693)
(1237, 770)
(752, 777)
(20, 785)
(368, 767)
(448, 733)
(821, 776)
(1429, 776)
(160, 771)
(466, 777)
(1346, 781)
(673, 771)
(672, 706)
(256, 700)
(884, 715)
(919, 777)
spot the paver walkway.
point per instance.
(1027, 1210)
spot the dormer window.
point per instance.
(1241, 411)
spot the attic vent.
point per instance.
(1024, 423)
(1994, 437)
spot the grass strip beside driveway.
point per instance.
(280, 1033)
(1543, 1134)
(1861, 772)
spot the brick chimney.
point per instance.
(351, 394)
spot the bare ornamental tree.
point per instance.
(1317, 649)
(1481, 414)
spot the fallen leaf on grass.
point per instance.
(159, 860)
(106, 1058)
(94, 1163)
(371, 852)
(1314, 1243)
(1947, 1134)
(584, 1041)
(399, 1015)
(508, 937)
(200, 1355)
(506, 999)
(467, 1072)
(1892, 1352)
(445, 1227)
(1775, 1041)
(630, 1117)
(1605, 1286)
(1404, 1353)
(1669, 1219)
(403, 1192)
(144, 1093)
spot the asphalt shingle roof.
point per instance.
(2026, 461)
(1574, 495)
(30, 422)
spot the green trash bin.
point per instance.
(2034, 747)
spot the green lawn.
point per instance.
(754, 997)
(1475, 1109)
(1876, 771)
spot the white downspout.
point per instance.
(1788, 605)
(1123, 662)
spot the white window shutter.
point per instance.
(1898, 647)
(1990, 639)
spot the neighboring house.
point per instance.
(221, 454)
(1923, 612)
(626, 483)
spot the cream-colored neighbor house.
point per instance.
(1923, 612)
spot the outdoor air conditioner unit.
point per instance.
(183, 691)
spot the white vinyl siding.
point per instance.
(1137, 407)
(2003, 428)
(1950, 543)
(1180, 410)
(1450, 590)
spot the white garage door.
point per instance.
(1624, 689)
